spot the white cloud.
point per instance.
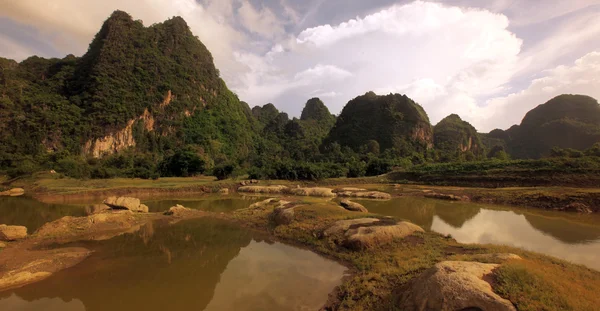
(263, 22)
(583, 77)
(322, 72)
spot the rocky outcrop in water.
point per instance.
(132, 204)
(365, 194)
(353, 206)
(12, 233)
(14, 192)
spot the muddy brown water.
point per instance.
(209, 264)
(202, 264)
(575, 238)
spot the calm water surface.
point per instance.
(572, 237)
(203, 264)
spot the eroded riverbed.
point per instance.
(202, 264)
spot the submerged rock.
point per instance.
(365, 194)
(353, 206)
(224, 191)
(448, 197)
(181, 211)
(577, 208)
(132, 204)
(96, 209)
(14, 192)
(378, 235)
(454, 285)
(12, 233)
(349, 189)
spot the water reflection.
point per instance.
(212, 203)
(194, 265)
(28, 212)
(551, 233)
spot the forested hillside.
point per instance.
(149, 102)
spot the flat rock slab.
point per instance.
(12, 233)
(454, 285)
(365, 194)
(312, 192)
(373, 236)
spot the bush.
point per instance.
(183, 163)
(223, 171)
(74, 167)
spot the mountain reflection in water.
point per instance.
(551, 233)
(203, 264)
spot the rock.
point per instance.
(313, 192)
(340, 226)
(52, 172)
(283, 215)
(372, 236)
(349, 189)
(454, 285)
(14, 192)
(132, 204)
(578, 208)
(2, 245)
(448, 197)
(96, 209)
(254, 181)
(224, 191)
(365, 194)
(263, 189)
(180, 211)
(353, 206)
(12, 233)
(243, 183)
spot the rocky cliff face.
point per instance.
(394, 121)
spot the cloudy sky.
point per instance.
(488, 61)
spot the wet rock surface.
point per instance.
(447, 197)
(365, 194)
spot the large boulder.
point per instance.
(378, 235)
(454, 285)
(12, 233)
(132, 204)
(341, 226)
(14, 192)
(96, 209)
(353, 206)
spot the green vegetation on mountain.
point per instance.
(566, 121)
(148, 102)
(394, 121)
(456, 140)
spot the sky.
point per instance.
(487, 61)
